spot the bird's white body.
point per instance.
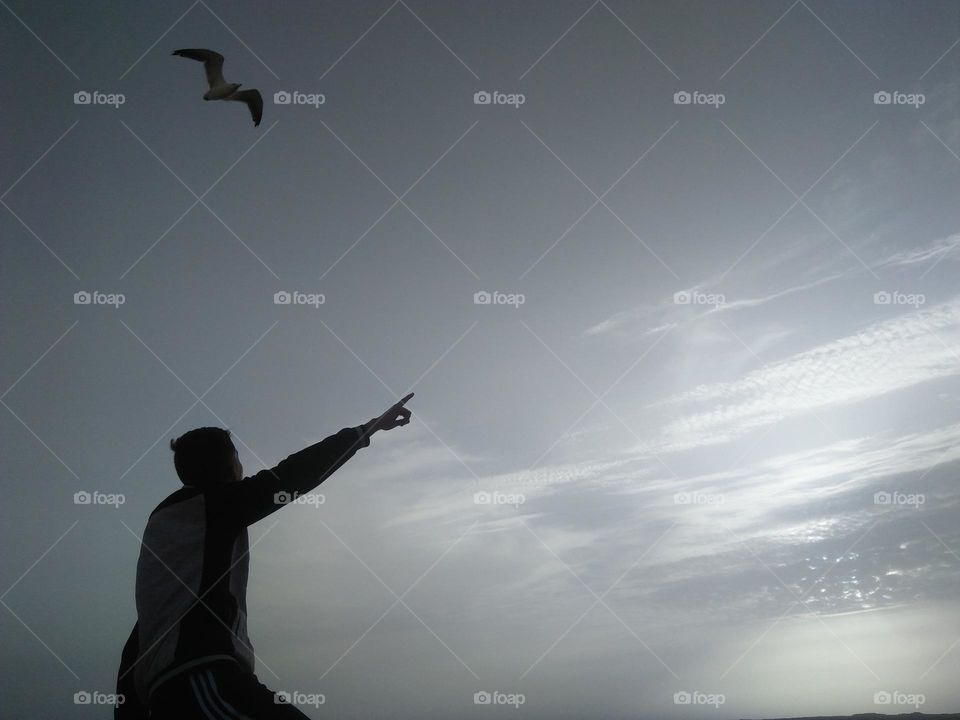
(220, 89)
(221, 92)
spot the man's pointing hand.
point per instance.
(395, 416)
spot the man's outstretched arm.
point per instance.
(255, 497)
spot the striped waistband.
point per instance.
(184, 667)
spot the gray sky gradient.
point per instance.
(698, 479)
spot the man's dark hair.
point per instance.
(203, 456)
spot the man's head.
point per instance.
(206, 456)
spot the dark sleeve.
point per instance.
(253, 498)
(130, 708)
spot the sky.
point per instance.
(678, 306)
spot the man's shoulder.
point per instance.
(178, 496)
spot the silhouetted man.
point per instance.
(189, 655)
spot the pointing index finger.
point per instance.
(404, 400)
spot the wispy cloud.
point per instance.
(887, 356)
(931, 252)
(672, 314)
(668, 313)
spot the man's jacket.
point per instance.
(191, 589)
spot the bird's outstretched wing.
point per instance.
(212, 63)
(254, 102)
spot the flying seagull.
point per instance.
(220, 89)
